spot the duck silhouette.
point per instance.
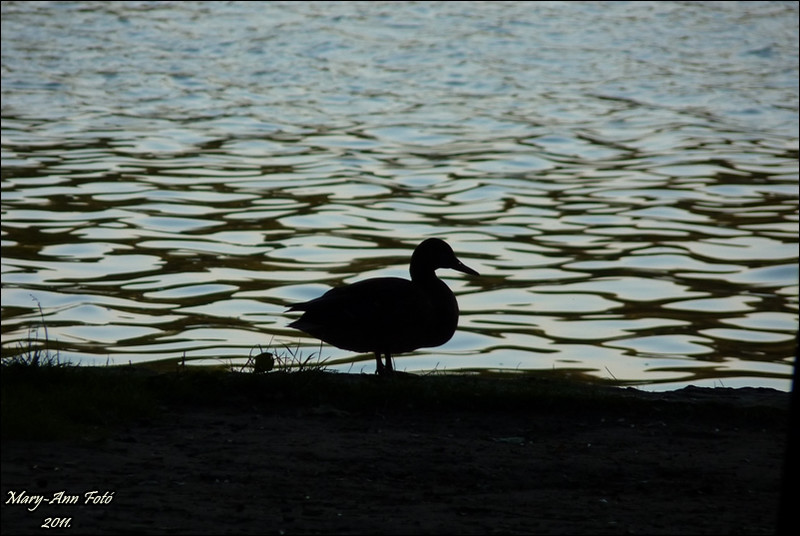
(389, 315)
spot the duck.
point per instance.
(389, 315)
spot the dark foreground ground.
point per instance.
(366, 455)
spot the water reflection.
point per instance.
(630, 196)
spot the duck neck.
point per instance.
(423, 275)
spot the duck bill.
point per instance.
(461, 267)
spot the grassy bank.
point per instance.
(56, 401)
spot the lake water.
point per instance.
(623, 175)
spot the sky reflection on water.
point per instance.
(624, 178)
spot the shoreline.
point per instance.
(324, 454)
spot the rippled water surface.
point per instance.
(623, 175)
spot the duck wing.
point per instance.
(387, 314)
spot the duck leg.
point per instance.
(380, 369)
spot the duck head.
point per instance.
(433, 254)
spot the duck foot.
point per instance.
(382, 370)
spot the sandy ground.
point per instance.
(711, 465)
